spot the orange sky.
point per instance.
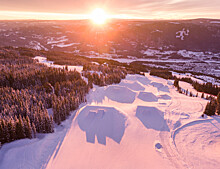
(79, 9)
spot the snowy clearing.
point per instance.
(51, 64)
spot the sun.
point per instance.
(98, 16)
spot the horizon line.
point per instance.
(21, 15)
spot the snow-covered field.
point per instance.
(143, 122)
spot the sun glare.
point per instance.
(99, 16)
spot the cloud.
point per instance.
(137, 8)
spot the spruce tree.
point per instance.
(28, 129)
(34, 130)
(11, 129)
(202, 96)
(20, 128)
(218, 104)
(1, 132)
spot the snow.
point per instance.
(197, 78)
(51, 64)
(37, 46)
(51, 41)
(120, 94)
(215, 22)
(147, 97)
(190, 54)
(23, 38)
(136, 86)
(147, 115)
(152, 52)
(62, 45)
(176, 23)
(102, 122)
(181, 34)
(142, 122)
(34, 153)
(145, 135)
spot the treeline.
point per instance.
(208, 88)
(213, 107)
(102, 75)
(28, 89)
(183, 91)
(162, 73)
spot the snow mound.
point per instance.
(142, 79)
(164, 97)
(132, 85)
(120, 94)
(147, 97)
(160, 86)
(152, 118)
(200, 140)
(102, 122)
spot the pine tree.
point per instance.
(28, 129)
(20, 128)
(11, 129)
(187, 92)
(1, 132)
(57, 89)
(34, 130)
(218, 104)
(202, 96)
(176, 83)
(3, 128)
(51, 124)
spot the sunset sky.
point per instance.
(134, 9)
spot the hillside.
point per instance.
(181, 45)
(152, 125)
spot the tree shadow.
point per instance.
(152, 118)
(102, 122)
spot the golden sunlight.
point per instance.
(99, 16)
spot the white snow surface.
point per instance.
(215, 22)
(181, 34)
(143, 122)
(51, 64)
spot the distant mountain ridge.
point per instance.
(126, 37)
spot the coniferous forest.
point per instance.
(28, 89)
